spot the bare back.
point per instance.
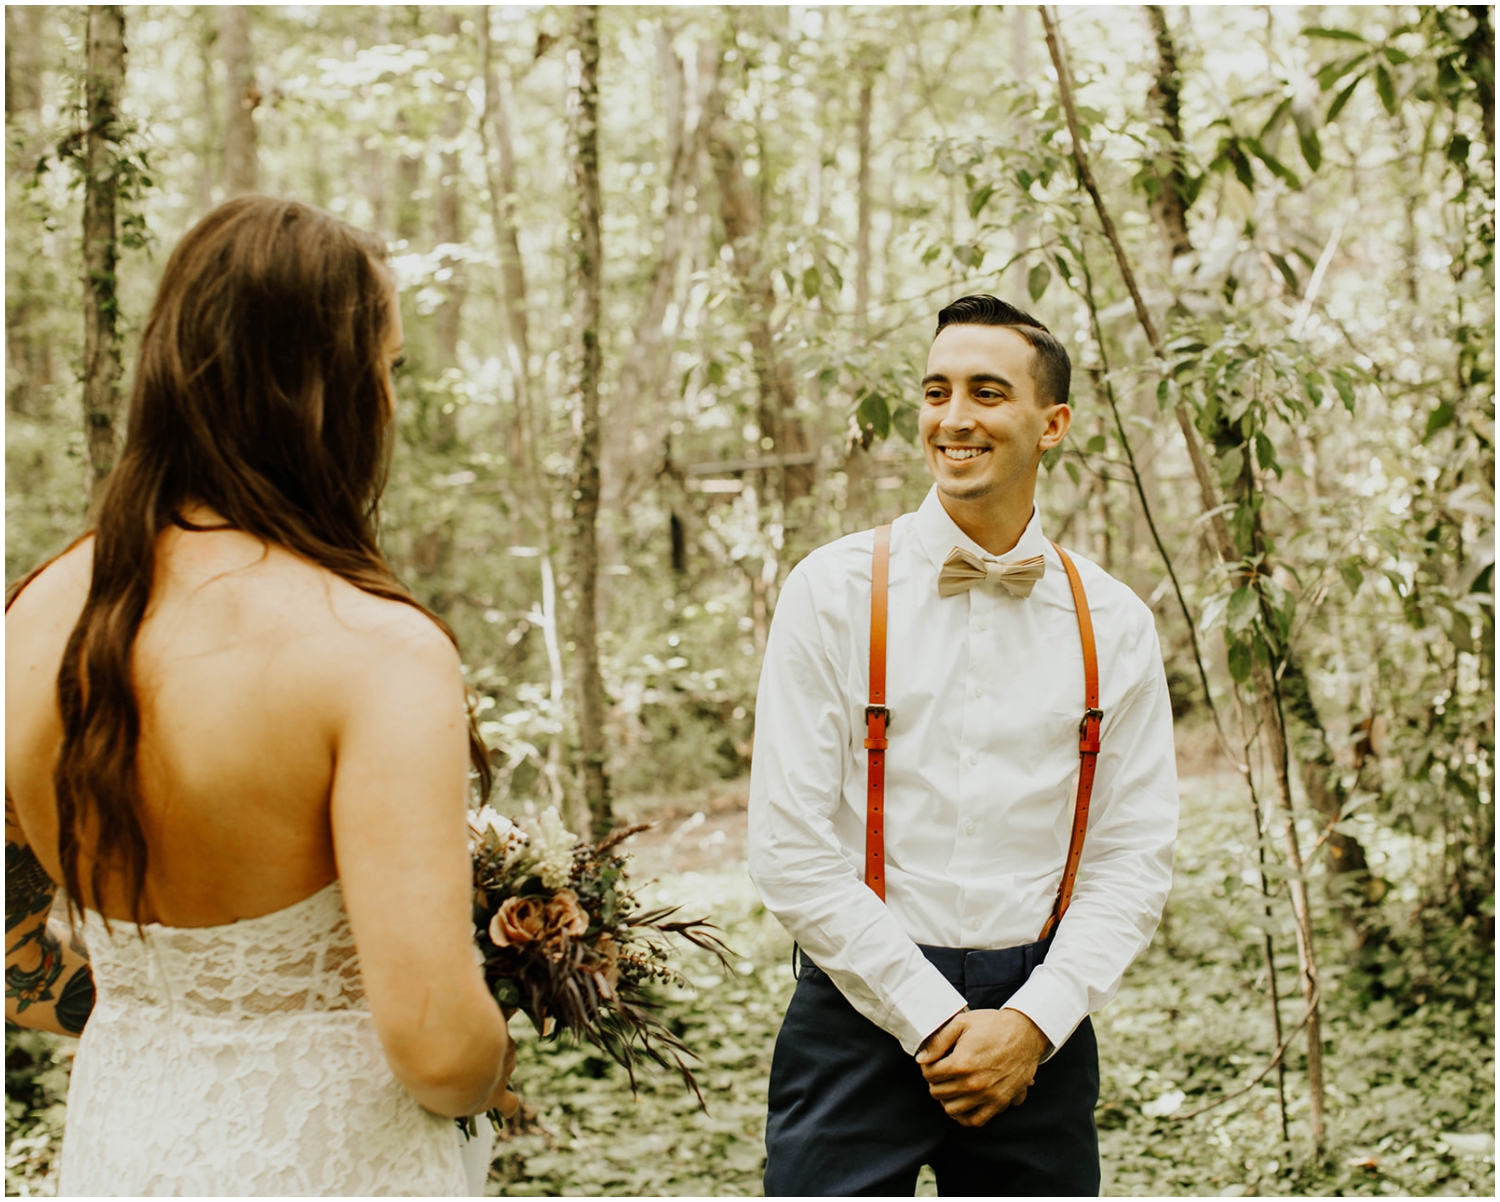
(246, 666)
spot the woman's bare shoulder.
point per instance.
(54, 597)
(351, 621)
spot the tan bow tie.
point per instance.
(962, 570)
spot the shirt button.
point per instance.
(979, 692)
(983, 627)
(975, 924)
(973, 759)
(969, 830)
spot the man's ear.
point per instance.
(1059, 418)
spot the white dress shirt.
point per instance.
(985, 692)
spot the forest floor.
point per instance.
(1410, 1092)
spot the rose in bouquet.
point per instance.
(565, 941)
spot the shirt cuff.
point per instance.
(1051, 1005)
(922, 1007)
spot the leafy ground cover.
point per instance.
(1410, 1082)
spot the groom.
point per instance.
(970, 860)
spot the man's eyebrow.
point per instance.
(982, 377)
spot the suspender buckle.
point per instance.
(875, 740)
(1088, 730)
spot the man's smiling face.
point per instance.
(983, 428)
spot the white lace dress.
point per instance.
(242, 1059)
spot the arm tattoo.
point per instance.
(28, 888)
(35, 985)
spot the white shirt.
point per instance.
(986, 692)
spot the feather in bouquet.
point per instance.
(565, 941)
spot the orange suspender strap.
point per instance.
(1088, 744)
(877, 717)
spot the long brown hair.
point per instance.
(262, 393)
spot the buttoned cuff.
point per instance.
(1051, 1005)
(922, 1007)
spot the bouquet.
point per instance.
(564, 940)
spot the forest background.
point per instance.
(668, 276)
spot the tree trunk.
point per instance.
(532, 501)
(741, 215)
(583, 122)
(862, 229)
(1319, 771)
(1169, 205)
(28, 352)
(448, 230)
(1267, 698)
(101, 342)
(210, 141)
(635, 407)
(241, 97)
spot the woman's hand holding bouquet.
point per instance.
(565, 941)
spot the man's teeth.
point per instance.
(962, 452)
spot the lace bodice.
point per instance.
(300, 960)
(241, 1059)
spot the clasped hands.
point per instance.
(981, 1062)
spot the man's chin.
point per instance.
(964, 490)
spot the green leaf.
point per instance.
(968, 255)
(1332, 35)
(1242, 609)
(1287, 274)
(1231, 464)
(1344, 387)
(1095, 444)
(1037, 280)
(1163, 393)
(979, 198)
(1458, 149)
(811, 281)
(1278, 168)
(1312, 149)
(1386, 86)
(1062, 267)
(1239, 662)
(930, 254)
(1073, 473)
(1439, 419)
(1333, 72)
(874, 414)
(904, 422)
(1341, 99)
(1353, 573)
(715, 372)
(1273, 122)
(1395, 57)
(1266, 454)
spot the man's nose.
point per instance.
(960, 413)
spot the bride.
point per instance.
(242, 748)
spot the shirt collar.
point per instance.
(939, 534)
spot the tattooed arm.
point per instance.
(48, 982)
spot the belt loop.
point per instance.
(796, 961)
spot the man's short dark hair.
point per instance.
(1051, 370)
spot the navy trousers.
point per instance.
(850, 1113)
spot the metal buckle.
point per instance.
(1096, 715)
(883, 711)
